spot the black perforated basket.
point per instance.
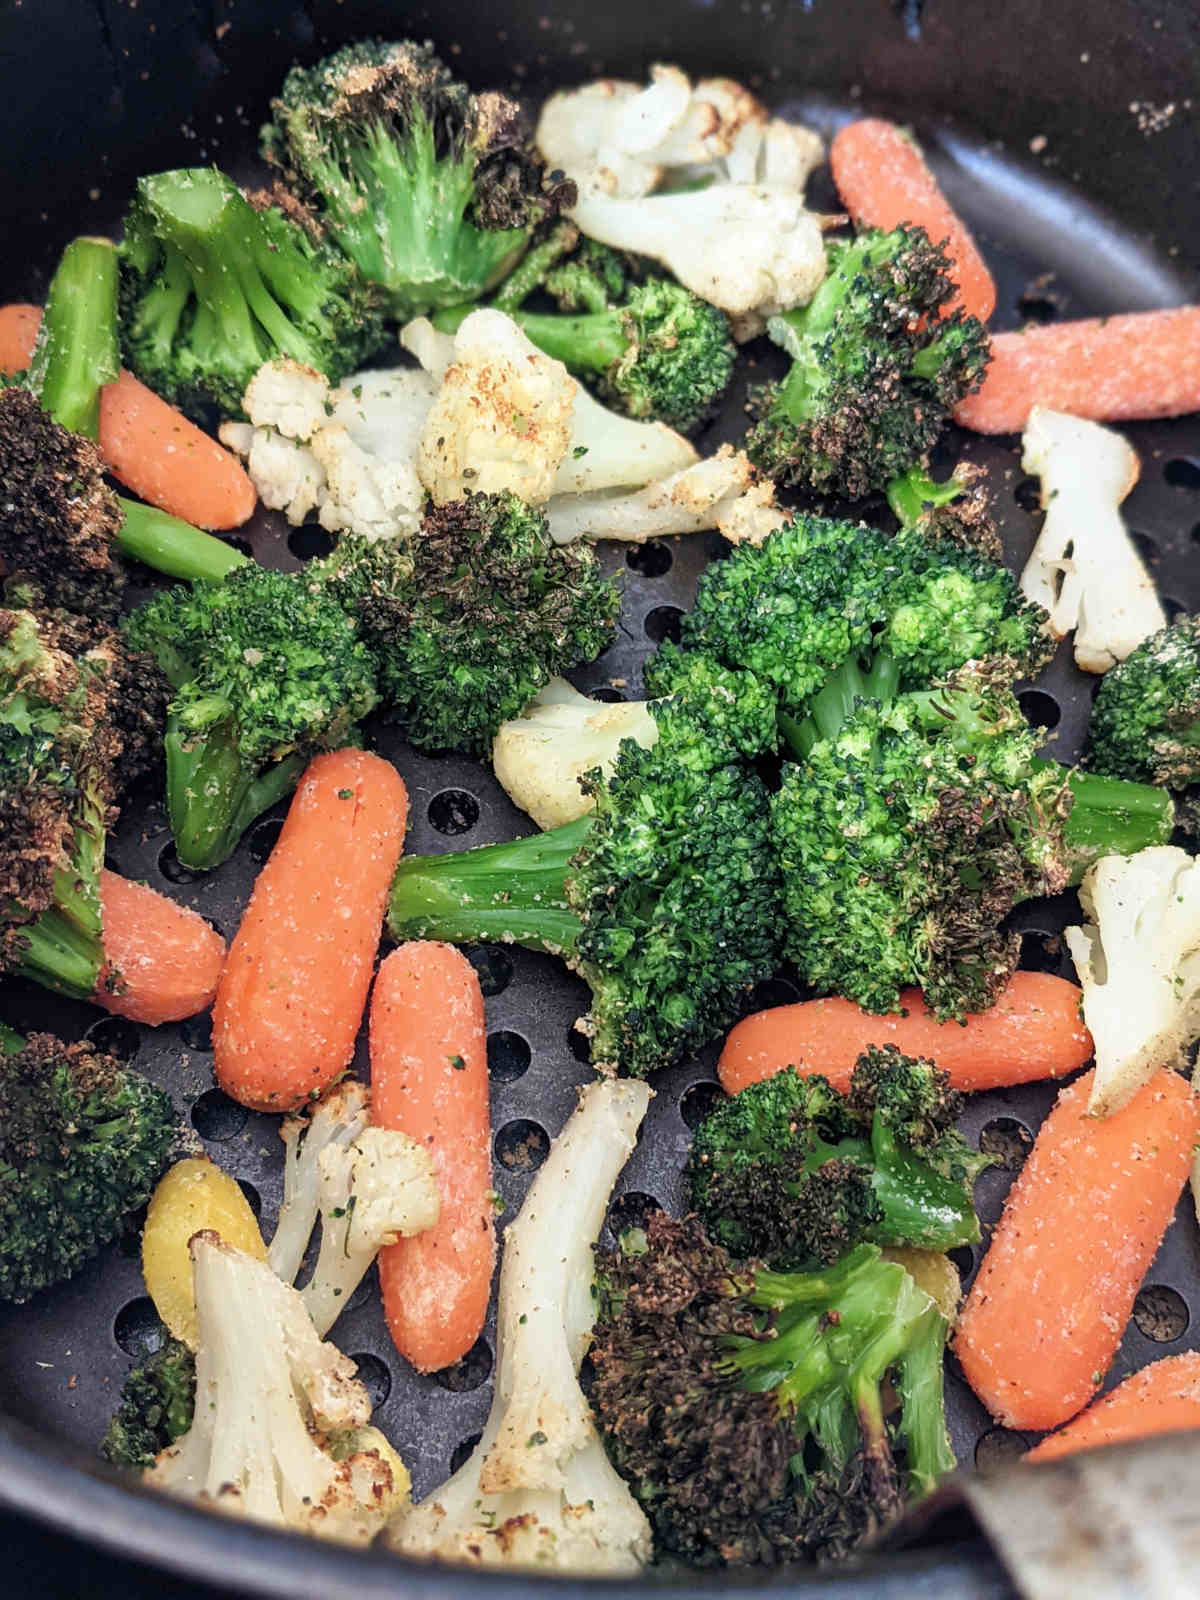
(1067, 137)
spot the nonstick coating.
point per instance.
(1023, 116)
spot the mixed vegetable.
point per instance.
(830, 770)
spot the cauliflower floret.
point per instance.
(1138, 959)
(540, 756)
(275, 1435)
(751, 516)
(684, 502)
(1085, 569)
(334, 1121)
(538, 1490)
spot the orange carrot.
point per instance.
(883, 181)
(295, 983)
(18, 334)
(1108, 369)
(1083, 1220)
(1162, 1398)
(147, 445)
(166, 957)
(429, 1079)
(1033, 1031)
(155, 451)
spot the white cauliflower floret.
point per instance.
(349, 453)
(1085, 569)
(538, 1491)
(540, 756)
(277, 1431)
(334, 1121)
(372, 1192)
(1138, 960)
(753, 515)
(684, 502)
(609, 451)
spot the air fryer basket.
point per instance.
(1067, 138)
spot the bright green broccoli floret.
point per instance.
(156, 1406)
(212, 287)
(794, 1173)
(432, 191)
(266, 669)
(958, 509)
(914, 825)
(473, 617)
(1146, 720)
(665, 900)
(745, 1408)
(708, 715)
(876, 367)
(82, 1143)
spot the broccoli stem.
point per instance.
(11, 1042)
(509, 892)
(836, 700)
(62, 949)
(170, 545)
(595, 341)
(1111, 816)
(910, 494)
(213, 794)
(530, 272)
(77, 350)
(920, 1206)
(919, 1381)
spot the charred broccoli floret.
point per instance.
(665, 899)
(914, 824)
(745, 1408)
(958, 509)
(432, 191)
(1146, 720)
(212, 287)
(82, 1142)
(469, 620)
(155, 1408)
(791, 1171)
(266, 669)
(876, 367)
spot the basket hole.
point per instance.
(664, 622)
(454, 811)
(474, 1369)
(264, 839)
(310, 541)
(374, 1376)
(493, 967)
(587, 1375)
(242, 546)
(1043, 952)
(1196, 533)
(116, 1036)
(963, 1258)
(631, 1210)
(138, 1328)
(607, 693)
(1041, 709)
(172, 869)
(716, 546)
(771, 992)
(700, 1101)
(579, 1044)
(1037, 308)
(1160, 1313)
(1028, 496)
(461, 1453)
(651, 559)
(253, 1198)
(1174, 608)
(216, 1117)
(1147, 547)
(1181, 472)
(522, 1145)
(999, 1448)
(196, 1032)
(508, 1056)
(1007, 1138)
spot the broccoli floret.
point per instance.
(266, 668)
(1146, 721)
(155, 1408)
(432, 191)
(211, 288)
(793, 1172)
(473, 617)
(745, 1408)
(876, 368)
(82, 1143)
(816, 594)
(915, 824)
(958, 509)
(665, 900)
(649, 347)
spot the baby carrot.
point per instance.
(429, 1079)
(1162, 1398)
(1107, 369)
(1083, 1220)
(883, 180)
(295, 982)
(166, 958)
(18, 334)
(1033, 1031)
